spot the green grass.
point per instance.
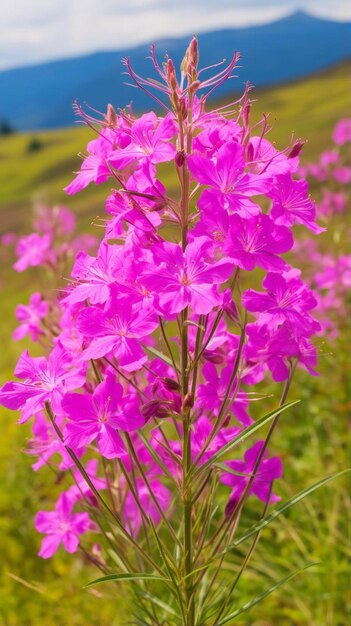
(312, 437)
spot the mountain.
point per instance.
(41, 96)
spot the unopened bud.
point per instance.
(188, 401)
(214, 356)
(194, 53)
(171, 75)
(296, 149)
(230, 308)
(194, 86)
(246, 113)
(111, 116)
(179, 159)
(171, 384)
(182, 108)
(154, 408)
(250, 152)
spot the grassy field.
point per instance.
(312, 439)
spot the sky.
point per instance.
(33, 31)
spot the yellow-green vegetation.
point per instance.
(312, 437)
(309, 108)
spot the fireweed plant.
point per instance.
(156, 347)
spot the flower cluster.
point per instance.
(328, 273)
(159, 340)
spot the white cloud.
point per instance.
(47, 29)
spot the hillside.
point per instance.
(41, 96)
(309, 107)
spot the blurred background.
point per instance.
(298, 57)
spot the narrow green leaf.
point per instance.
(262, 596)
(281, 509)
(159, 355)
(127, 577)
(158, 602)
(240, 438)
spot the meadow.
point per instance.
(312, 439)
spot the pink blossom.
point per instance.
(342, 174)
(33, 250)
(45, 380)
(81, 489)
(268, 471)
(189, 278)
(61, 526)
(229, 186)
(286, 299)
(100, 416)
(131, 511)
(212, 393)
(30, 317)
(45, 443)
(342, 132)
(94, 167)
(149, 142)
(117, 330)
(95, 274)
(291, 203)
(257, 241)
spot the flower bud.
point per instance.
(214, 356)
(296, 149)
(171, 76)
(194, 53)
(188, 401)
(171, 384)
(154, 408)
(111, 116)
(179, 159)
(250, 152)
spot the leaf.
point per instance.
(159, 355)
(286, 505)
(242, 436)
(262, 596)
(127, 577)
(157, 601)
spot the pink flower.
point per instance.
(149, 142)
(131, 511)
(211, 394)
(287, 299)
(45, 443)
(45, 380)
(257, 241)
(100, 416)
(342, 175)
(94, 167)
(342, 132)
(61, 526)
(268, 471)
(96, 275)
(189, 278)
(229, 186)
(117, 330)
(33, 250)
(81, 489)
(30, 317)
(266, 160)
(291, 203)
(57, 220)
